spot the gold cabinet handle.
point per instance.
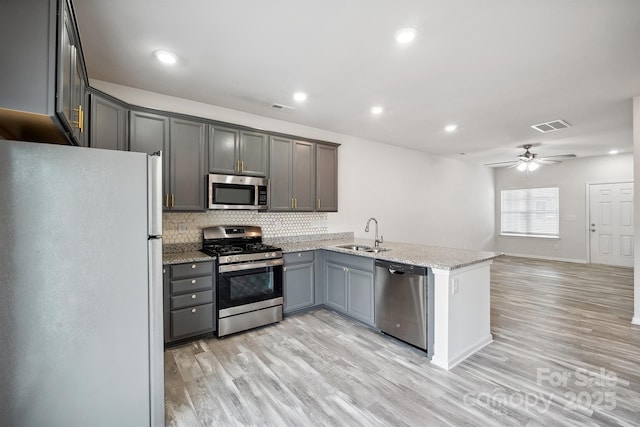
(292, 203)
(80, 122)
(173, 200)
(166, 200)
(318, 203)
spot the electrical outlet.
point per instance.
(182, 227)
(455, 286)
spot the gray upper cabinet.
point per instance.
(237, 152)
(281, 174)
(183, 149)
(326, 178)
(43, 79)
(223, 143)
(187, 159)
(108, 123)
(291, 165)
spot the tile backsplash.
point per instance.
(186, 227)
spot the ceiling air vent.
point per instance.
(276, 106)
(551, 126)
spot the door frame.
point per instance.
(588, 209)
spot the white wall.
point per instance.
(571, 177)
(416, 197)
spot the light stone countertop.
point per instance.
(407, 253)
(182, 257)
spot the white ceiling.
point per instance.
(494, 67)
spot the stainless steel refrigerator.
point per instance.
(80, 287)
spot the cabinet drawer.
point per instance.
(296, 257)
(187, 300)
(352, 261)
(179, 271)
(191, 285)
(192, 321)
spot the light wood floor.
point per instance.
(564, 353)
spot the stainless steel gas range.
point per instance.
(249, 277)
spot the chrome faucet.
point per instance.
(376, 241)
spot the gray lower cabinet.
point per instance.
(326, 178)
(292, 169)
(182, 143)
(189, 300)
(349, 285)
(237, 152)
(299, 281)
(108, 122)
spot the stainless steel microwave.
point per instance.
(238, 192)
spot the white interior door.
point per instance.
(611, 223)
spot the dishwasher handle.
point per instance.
(398, 269)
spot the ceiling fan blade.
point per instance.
(561, 156)
(515, 165)
(546, 161)
(502, 163)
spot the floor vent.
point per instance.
(551, 126)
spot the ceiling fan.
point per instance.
(529, 161)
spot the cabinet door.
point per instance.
(253, 153)
(108, 124)
(360, 295)
(335, 286)
(223, 147)
(298, 286)
(303, 175)
(66, 65)
(187, 154)
(280, 160)
(149, 133)
(326, 178)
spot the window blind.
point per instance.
(530, 212)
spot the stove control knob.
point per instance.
(266, 255)
(273, 254)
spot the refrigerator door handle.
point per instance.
(154, 180)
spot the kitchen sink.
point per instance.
(363, 248)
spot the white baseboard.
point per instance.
(451, 363)
(548, 258)
(635, 320)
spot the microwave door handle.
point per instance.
(250, 265)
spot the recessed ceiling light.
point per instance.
(614, 152)
(377, 109)
(165, 57)
(405, 35)
(450, 128)
(300, 96)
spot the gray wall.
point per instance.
(572, 177)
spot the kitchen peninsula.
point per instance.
(460, 278)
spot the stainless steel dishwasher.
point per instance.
(401, 302)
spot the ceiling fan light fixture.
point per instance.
(522, 167)
(531, 166)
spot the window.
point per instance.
(530, 212)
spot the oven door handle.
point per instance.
(250, 265)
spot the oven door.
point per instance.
(246, 283)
